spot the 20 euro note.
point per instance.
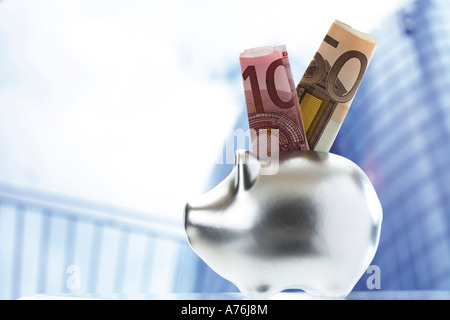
(329, 85)
(272, 102)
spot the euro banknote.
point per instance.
(272, 102)
(329, 84)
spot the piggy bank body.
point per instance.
(313, 224)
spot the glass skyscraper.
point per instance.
(398, 131)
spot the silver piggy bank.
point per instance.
(313, 224)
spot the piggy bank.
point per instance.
(313, 224)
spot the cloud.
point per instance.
(128, 103)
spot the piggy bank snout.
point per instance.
(314, 225)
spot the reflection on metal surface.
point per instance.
(314, 225)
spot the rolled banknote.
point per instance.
(272, 102)
(329, 84)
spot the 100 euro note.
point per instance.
(328, 86)
(272, 102)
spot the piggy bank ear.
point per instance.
(247, 169)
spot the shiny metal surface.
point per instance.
(314, 225)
